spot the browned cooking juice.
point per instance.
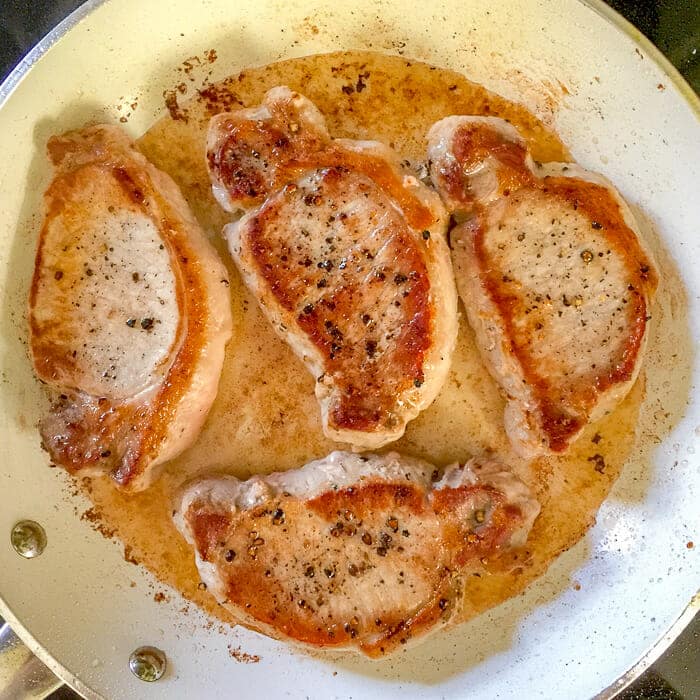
(266, 418)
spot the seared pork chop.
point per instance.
(352, 551)
(554, 277)
(129, 311)
(347, 258)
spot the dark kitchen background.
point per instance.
(674, 26)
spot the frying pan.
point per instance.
(620, 107)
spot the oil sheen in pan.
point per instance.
(266, 417)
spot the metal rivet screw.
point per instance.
(147, 663)
(28, 538)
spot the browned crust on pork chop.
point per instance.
(357, 552)
(107, 210)
(343, 315)
(553, 275)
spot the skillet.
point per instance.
(75, 604)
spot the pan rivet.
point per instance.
(28, 538)
(147, 663)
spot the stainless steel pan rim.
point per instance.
(23, 67)
(607, 13)
(651, 656)
(617, 20)
(43, 655)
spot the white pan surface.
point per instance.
(623, 116)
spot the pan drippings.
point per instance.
(266, 417)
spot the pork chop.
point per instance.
(554, 276)
(129, 311)
(347, 258)
(351, 551)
